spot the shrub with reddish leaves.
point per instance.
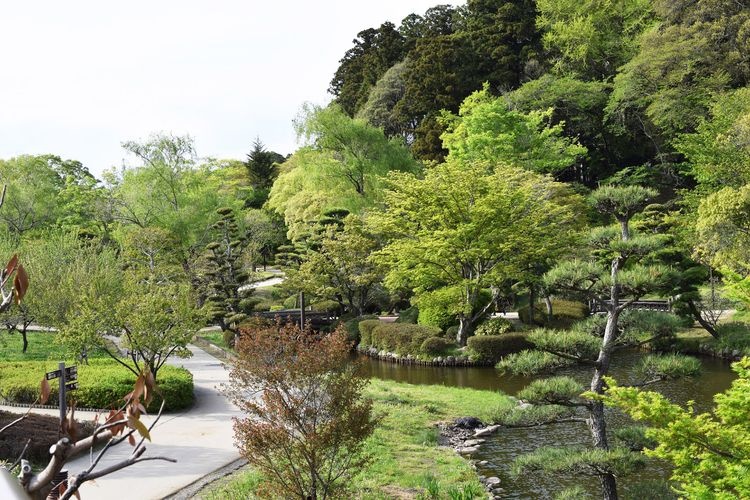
(306, 417)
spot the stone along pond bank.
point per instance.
(465, 435)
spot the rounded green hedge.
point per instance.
(351, 326)
(436, 346)
(494, 326)
(101, 384)
(401, 338)
(365, 330)
(491, 348)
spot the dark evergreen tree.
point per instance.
(261, 168)
(226, 305)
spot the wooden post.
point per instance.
(302, 310)
(63, 409)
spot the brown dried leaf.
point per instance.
(131, 440)
(44, 391)
(20, 283)
(12, 263)
(115, 416)
(140, 386)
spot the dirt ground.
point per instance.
(41, 429)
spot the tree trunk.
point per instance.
(701, 320)
(25, 340)
(464, 329)
(532, 299)
(609, 486)
(548, 303)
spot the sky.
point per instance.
(81, 77)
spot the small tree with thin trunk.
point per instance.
(306, 417)
(619, 270)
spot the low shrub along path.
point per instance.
(200, 439)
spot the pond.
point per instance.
(500, 449)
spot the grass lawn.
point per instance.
(42, 347)
(216, 338)
(406, 457)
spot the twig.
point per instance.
(20, 457)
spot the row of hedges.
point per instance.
(402, 338)
(491, 348)
(101, 384)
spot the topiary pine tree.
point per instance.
(620, 268)
(225, 304)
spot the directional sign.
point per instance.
(51, 375)
(71, 372)
(72, 386)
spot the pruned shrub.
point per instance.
(451, 332)
(564, 313)
(491, 348)
(365, 330)
(351, 327)
(327, 306)
(401, 338)
(101, 384)
(435, 346)
(493, 326)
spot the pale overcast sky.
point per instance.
(80, 77)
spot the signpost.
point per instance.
(68, 382)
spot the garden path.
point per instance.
(200, 439)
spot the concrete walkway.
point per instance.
(200, 439)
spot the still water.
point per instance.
(500, 449)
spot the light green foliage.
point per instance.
(157, 320)
(528, 363)
(102, 383)
(343, 165)
(341, 269)
(592, 38)
(154, 320)
(45, 191)
(439, 307)
(467, 226)
(65, 273)
(579, 460)
(169, 190)
(265, 232)
(722, 229)
(487, 129)
(554, 391)
(576, 344)
(668, 366)
(709, 450)
(719, 150)
(494, 326)
(697, 51)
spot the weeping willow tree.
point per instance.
(342, 164)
